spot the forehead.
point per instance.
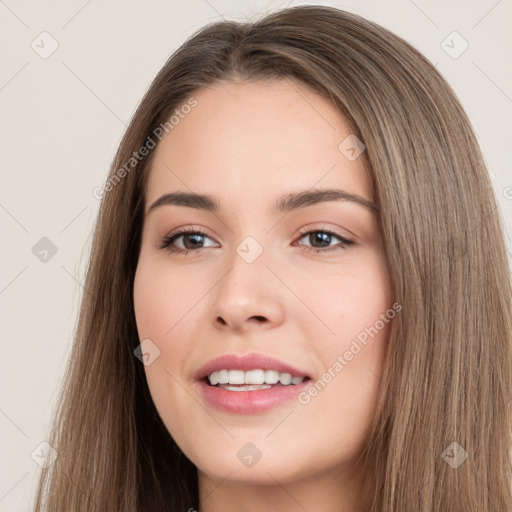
(255, 141)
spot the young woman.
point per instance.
(298, 295)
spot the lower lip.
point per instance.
(249, 402)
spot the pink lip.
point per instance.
(248, 402)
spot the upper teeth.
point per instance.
(252, 377)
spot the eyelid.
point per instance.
(321, 226)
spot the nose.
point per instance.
(248, 296)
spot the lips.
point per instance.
(252, 399)
(247, 362)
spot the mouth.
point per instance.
(252, 380)
(250, 383)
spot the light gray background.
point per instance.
(63, 117)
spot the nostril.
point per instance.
(258, 319)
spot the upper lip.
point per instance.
(247, 362)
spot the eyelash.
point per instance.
(188, 230)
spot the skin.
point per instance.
(247, 144)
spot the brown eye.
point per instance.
(192, 240)
(320, 240)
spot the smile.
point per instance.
(239, 380)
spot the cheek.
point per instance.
(357, 307)
(364, 298)
(163, 304)
(161, 299)
(350, 299)
(158, 310)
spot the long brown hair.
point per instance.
(447, 375)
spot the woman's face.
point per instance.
(305, 284)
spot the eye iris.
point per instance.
(194, 245)
(323, 238)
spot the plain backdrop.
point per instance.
(62, 118)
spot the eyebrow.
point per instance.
(287, 203)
